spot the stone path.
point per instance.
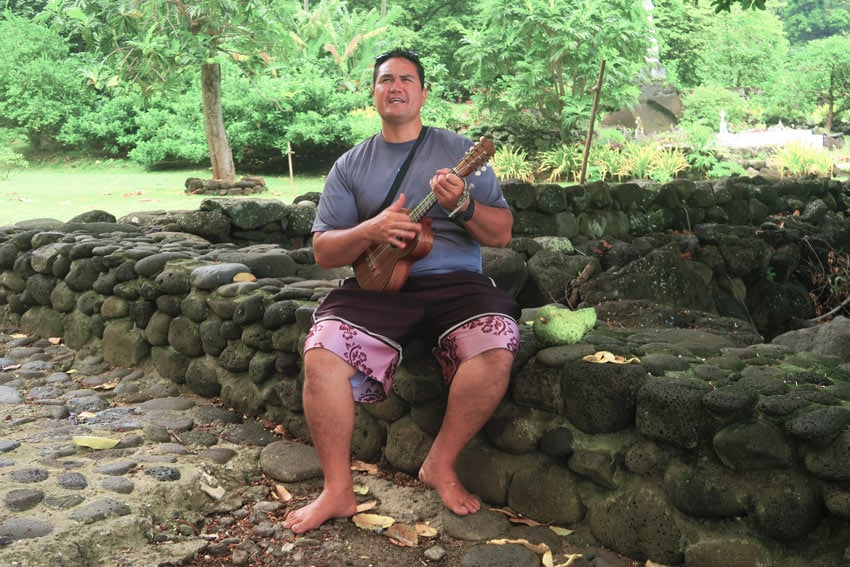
(184, 484)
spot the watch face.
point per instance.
(467, 214)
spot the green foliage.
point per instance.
(168, 132)
(109, 127)
(606, 161)
(562, 162)
(639, 159)
(744, 49)
(512, 163)
(338, 41)
(726, 5)
(152, 42)
(42, 85)
(821, 72)
(544, 55)
(668, 164)
(680, 30)
(796, 159)
(725, 169)
(702, 106)
(700, 142)
(806, 20)
(11, 162)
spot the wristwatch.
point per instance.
(463, 216)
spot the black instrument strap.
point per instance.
(402, 171)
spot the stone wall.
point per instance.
(714, 449)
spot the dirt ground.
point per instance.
(341, 542)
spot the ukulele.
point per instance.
(384, 267)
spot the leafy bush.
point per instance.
(668, 164)
(725, 169)
(700, 155)
(638, 160)
(11, 162)
(605, 162)
(171, 131)
(511, 162)
(796, 159)
(702, 106)
(110, 127)
(42, 83)
(562, 162)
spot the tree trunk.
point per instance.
(221, 157)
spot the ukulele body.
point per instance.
(383, 267)
(386, 268)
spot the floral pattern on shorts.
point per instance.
(474, 337)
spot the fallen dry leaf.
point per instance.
(603, 356)
(18, 335)
(366, 506)
(515, 518)
(538, 548)
(373, 522)
(282, 493)
(424, 530)
(561, 531)
(55, 340)
(402, 534)
(94, 442)
(105, 386)
(361, 489)
(368, 468)
(244, 277)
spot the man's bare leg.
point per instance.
(329, 409)
(476, 391)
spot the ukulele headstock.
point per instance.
(475, 159)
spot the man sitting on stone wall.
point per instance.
(358, 333)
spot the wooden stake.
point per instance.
(597, 90)
(291, 175)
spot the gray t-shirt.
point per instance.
(360, 179)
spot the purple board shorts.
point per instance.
(464, 313)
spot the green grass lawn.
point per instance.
(64, 190)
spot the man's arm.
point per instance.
(490, 226)
(341, 247)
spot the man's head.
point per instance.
(411, 56)
(398, 91)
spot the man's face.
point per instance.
(398, 94)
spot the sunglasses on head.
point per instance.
(406, 54)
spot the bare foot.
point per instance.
(327, 506)
(445, 481)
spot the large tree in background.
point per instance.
(805, 20)
(744, 49)
(540, 58)
(680, 28)
(152, 42)
(821, 74)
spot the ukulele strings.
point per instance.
(422, 208)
